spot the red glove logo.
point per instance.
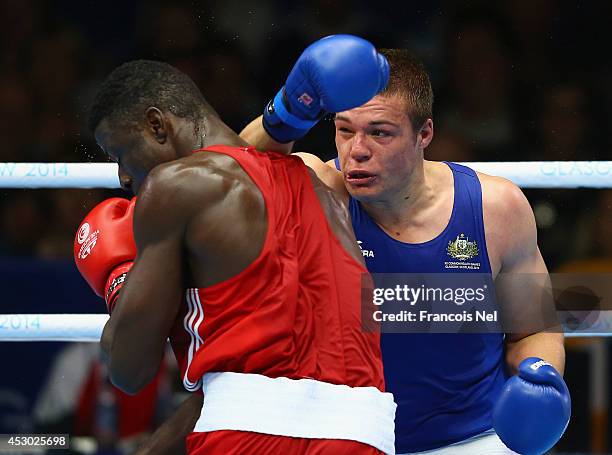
(83, 233)
(86, 240)
(108, 229)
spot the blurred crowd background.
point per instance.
(513, 80)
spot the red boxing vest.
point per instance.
(293, 312)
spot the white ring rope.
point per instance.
(88, 327)
(526, 174)
(551, 174)
(52, 327)
(58, 175)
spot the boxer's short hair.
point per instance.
(409, 80)
(134, 86)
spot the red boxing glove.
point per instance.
(104, 247)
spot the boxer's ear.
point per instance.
(425, 134)
(156, 124)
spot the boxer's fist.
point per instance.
(336, 73)
(533, 409)
(104, 247)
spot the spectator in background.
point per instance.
(78, 399)
(16, 112)
(564, 131)
(591, 379)
(448, 146)
(67, 210)
(224, 64)
(170, 32)
(21, 21)
(198, 45)
(55, 76)
(598, 258)
(21, 224)
(248, 26)
(533, 25)
(481, 83)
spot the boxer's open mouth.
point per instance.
(360, 177)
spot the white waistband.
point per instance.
(303, 408)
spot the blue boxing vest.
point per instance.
(445, 384)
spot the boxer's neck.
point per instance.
(213, 131)
(406, 208)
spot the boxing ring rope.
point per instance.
(52, 327)
(526, 174)
(88, 327)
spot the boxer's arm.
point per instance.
(527, 292)
(534, 406)
(330, 176)
(255, 134)
(546, 344)
(169, 438)
(136, 333)
(332, 164)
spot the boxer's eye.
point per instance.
(380, 133)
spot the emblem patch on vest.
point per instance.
(462, 249)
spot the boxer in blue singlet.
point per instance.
(452, 390)
(428, 402)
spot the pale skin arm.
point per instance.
(255, 134)
(514, 222)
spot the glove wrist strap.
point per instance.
(281, 125)
(114, 283)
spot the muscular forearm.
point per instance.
(547, 346)
(105, 340)
(169, 438)
(255, 134)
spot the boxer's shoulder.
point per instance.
(204, 177)
(180, 189)
(501, 197)
(202, 194)
(509, 222)
(326, 172)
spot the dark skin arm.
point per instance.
(135, 336)
(169, 438)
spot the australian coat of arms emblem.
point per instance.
(462, 248)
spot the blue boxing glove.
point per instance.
(533, 409)
(336, 73)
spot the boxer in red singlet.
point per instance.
(246, 261)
